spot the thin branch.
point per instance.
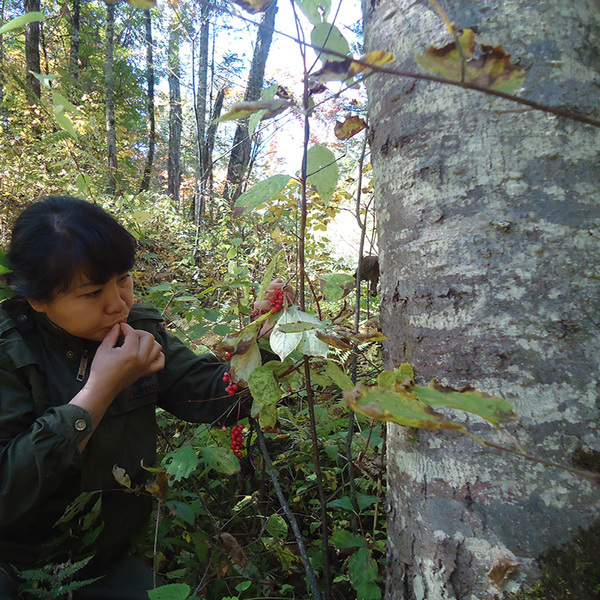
(310, 574)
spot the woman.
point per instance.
(82, 369)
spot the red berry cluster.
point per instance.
(230, 355)
(237, 440)
(276, 300)
(231, 389)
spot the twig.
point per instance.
(549, 463)
(310, 574)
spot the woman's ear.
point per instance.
(37, 305)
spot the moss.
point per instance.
(570, 572)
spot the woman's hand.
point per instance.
(117, 367)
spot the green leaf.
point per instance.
(65, 123)
(283, 344)
(243, 365)
(329, 36)
(256, 117)
(322, 171)
(305, 341)
(60, 100)
(343, 502)
(389, 379)
(336, 286)
(342, 539)
(4, 266)
(310, 8)
(83, 182)
(277, 527)
(341, 379)
(263, 191)
(398, 406)
(43, 78)
(21, 21)
(220, 459)
(363, 571)
(266, 393)
(493, 409)
(182, 463)
(182, 510)
(172, 591)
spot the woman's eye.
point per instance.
(93, 294)
(124, 278)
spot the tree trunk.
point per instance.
(109, 84)
(175, 116)
(32, 50)
(488, 219)
(75, 21)
(240, 151)
(145, 183)
(202, 83)
(3, 111)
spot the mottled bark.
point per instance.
(75, 24)
(109, 87)
(175, 118)
(150, 118)
(240, 150)
(32, 49)
(489, 238)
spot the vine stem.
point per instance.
(310, 574)
(581, 472)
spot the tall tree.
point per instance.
(32, 49)
(175, 115)
(200, 109)
(150, 117)
(240, 150)
(109, 86)
(489, 236)
(75, 24)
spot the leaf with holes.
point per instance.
(472, 62)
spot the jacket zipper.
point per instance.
(83, 365)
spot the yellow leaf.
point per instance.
(472, 62)
(349, 128)
(378, 58)
(254, 6)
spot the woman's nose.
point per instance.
(114, 300)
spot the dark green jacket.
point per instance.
(41, 471)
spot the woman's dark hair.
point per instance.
(56, 239)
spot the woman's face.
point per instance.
(89, 310)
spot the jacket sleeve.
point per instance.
(38, 451)
(191, 386)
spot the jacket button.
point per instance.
(70, 354)
(22, 319)
(80, 424)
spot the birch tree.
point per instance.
(488, 219)
(175, 114)
(150, 117)
(109, 86)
